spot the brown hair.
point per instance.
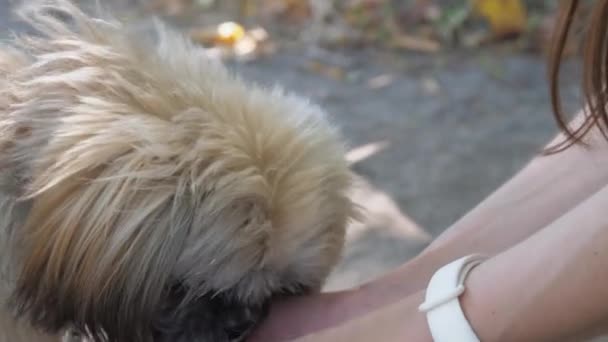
(595, 72)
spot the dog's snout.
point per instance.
(218, 315)
(245, 323)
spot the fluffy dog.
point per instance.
(147, 194)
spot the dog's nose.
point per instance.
(244, 323)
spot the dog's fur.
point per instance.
(146, 194)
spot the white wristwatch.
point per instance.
(445, 317)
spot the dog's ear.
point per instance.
(108, 220)
(98, 255)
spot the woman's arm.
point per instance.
(539, 194)
(550, 287)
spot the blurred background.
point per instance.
(440, 101)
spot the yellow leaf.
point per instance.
(505, 16)
(230, 32)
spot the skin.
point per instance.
(544, 231)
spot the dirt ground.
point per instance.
(455, 125)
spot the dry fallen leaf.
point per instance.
(204, 36)
(361, 153)
(230, 39)
(292, 11)
(415, 43)
(381, 81)
(230, 33)
(329, 71)
(506, 17)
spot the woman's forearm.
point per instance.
(545, 189)
(549, 287)
(394, 323)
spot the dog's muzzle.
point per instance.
(209, 318)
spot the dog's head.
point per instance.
(168, 198)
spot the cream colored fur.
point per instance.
(128, 166)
